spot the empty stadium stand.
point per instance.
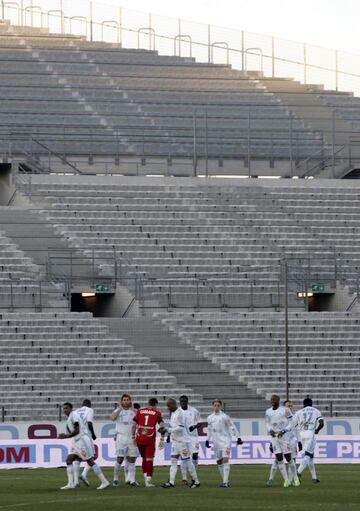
(323, 353)
(201, 261)
(49, 357)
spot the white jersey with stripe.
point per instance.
(74, 418)
(87, 414)
(191, 418)
(221, 429)
(307, 419)
(124, 422)
(279, 420)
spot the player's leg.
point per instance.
(131, 462)
(173, 472)
(311, 466)
(282, 468)
(293, 477)
(99, 473)
(273, 469)
(117, 467)
(84, 475)
(186, 456)
(149, 464)
(70, 472)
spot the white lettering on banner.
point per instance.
(49, 453)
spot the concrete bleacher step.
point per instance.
(189, 366)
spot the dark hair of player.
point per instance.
(125, 395)
(184, 398)
(87, 403)
(217, 401)
(136, 406)
(153, 401)
(68, 404)
(307, 402)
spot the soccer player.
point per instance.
(126, 450)
(310, 422)
(81, 450)
(181, 445)
(144, 433)
(219, 431)
(87, 414)
(279, 422)
(295, 442)
(192, 420)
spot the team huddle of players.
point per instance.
(136, 434)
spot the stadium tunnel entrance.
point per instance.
(99, 304)
(320, 302)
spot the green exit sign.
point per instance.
(102, 288)
(318, 288)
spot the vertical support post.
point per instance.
(91, 19)
(249, 144)
(197, 295)
(242, 51)
(305, 63)
(40, 295)
(336, 70)
(22, 12)
(290, 145)
(59, 408)
(194, 145)
(2, 10)
(11, 295)
(179, 38)
(93, 267)
(150, 32)
(286, 328)
(62, 21)
(333, 144)
(206, 146)
(3, 414)
(273, 57)
(120, 26)
(209, 44)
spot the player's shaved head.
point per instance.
(184, 400)
(307, 402)
(171, 404)
(67, 407)
(275, 401)
(87, 403)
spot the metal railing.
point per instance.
(276, 57)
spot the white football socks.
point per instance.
(70, 474)
(173, 470)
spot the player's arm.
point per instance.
(208, 435)
(234, 431)
(134, 426)
(291, 423)
(116, 413)
(76, 431)
(91, 429)
(268, 426)
(320, 425)
(197, 424)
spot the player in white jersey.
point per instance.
(295, 443)
(220, 431)
(87, 414)
(181, 445)
(192, 423)
(309, 422)
(126, 450)
(279, 424)
(81, 449)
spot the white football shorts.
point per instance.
(308, 439)
(83, 447)
(182, 449)
(126, 447)
(282, 445)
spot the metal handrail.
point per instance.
(178, 39)
(152, 36)
(79, 18)
(223, 45)
(115, 24)
(63, 160)
(249, 51)
(34, 9)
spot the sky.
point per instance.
(329, 23)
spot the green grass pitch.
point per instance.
(33, 490)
